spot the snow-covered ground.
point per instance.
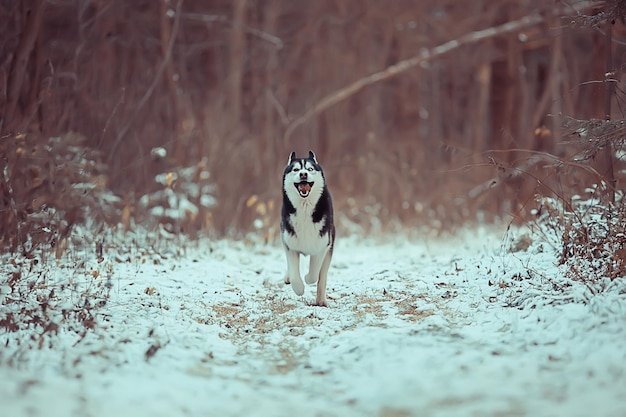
(457, 326)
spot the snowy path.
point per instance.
(432, 328)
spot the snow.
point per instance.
(455, 326)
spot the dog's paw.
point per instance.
(321, 302)
(310, 279)
(298, 287)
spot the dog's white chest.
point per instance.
(307, 239)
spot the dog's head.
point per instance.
(303, 177)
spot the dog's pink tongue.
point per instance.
(304, 187)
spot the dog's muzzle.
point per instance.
(304, 188)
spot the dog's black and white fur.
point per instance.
(306, 225)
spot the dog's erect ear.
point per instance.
(291, 157)
(312, 156)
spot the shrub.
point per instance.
(591, 234)
(48, 187)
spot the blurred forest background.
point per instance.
(181, 113)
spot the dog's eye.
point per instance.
(309, 169)
(294, 169)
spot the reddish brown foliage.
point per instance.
(223, 80)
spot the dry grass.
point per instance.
(266, 319)
(412, 313)
(395, 412)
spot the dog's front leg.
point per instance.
(320, 300)
(315, 265)
(293, 272)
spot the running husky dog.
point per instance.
(306, 225)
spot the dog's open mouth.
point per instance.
(304, 188)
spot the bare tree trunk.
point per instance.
(166, 34)
(18, 66)
(555, 81)
(235, 65)
(482, 112)
(269, 123)
(155, 81)
(609, 87)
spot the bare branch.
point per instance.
(279, 107)
(507, 173)
(424, 56)
(157, 78)
(210, 18)
(405, 65)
